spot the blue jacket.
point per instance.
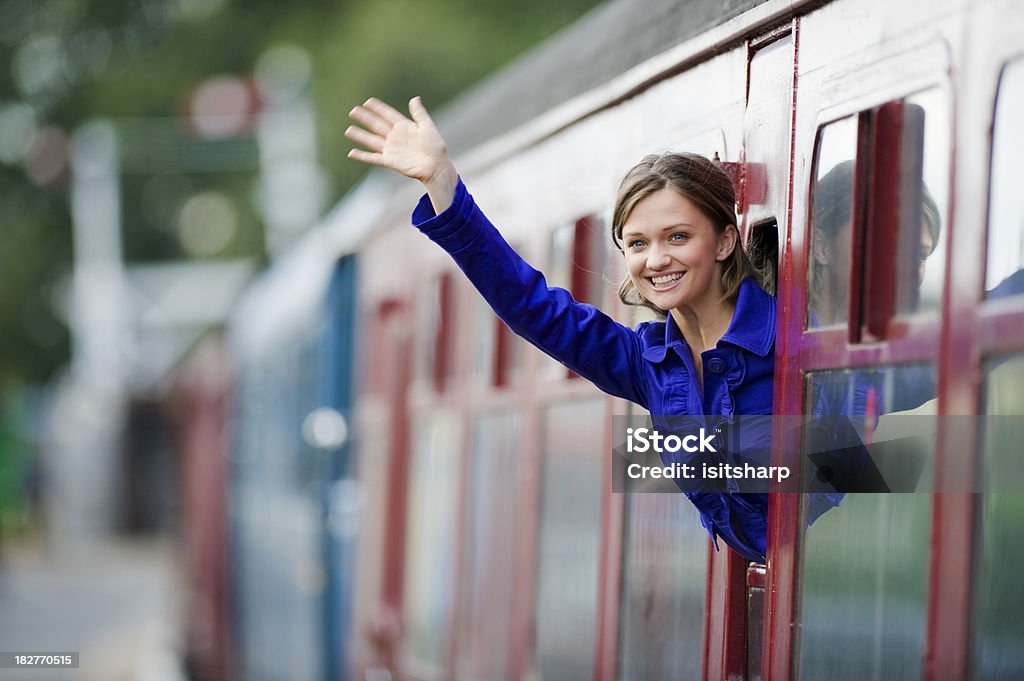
(651, 365)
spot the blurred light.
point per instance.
(324, 428)
(195, 10)
(207, 223)
(38, 65)
(17, 131)
(222, 107)
(284, 71)
(46, 162)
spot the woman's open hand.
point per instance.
(413, 148)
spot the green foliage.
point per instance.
(76, 60)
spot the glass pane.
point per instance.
(430, 540)
(865, 564)
(999, 591)
(559, 275)
(428, 322)
(1006, 210)
(830, 235)
(570, 526)
(664, 587)
(485, 334)
(923, 199)
(490, 556)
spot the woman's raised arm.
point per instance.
(413, 147)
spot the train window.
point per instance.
(485, 341)
(830, 236)
(559, 274)
(430, 542)
(435, 332)
(763, 246)
(565, 635)
(578, 258)
(878, 210)
(924, 192)
(1006, 210)
(489, 559)
(664, 588)
(865, 563)
(496, 350)
(998, 590)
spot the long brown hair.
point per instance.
(704, 183)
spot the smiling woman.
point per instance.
(675, 223)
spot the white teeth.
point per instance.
(667, 279)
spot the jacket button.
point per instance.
(715, 365)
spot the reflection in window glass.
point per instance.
(1006, 210)
(865, 563)
(570, 524)
(924, 171)
(430, 540)
(490, 555)
(664, 588)
(997, 654)
(830, 235)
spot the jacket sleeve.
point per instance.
(579, 336)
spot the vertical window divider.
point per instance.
(883, 219)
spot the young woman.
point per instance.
(675, 223)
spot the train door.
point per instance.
(994, 343)
(736, 586)
(859, 329)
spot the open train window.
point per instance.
(763, 246)
(881, 181)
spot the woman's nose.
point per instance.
(657, 258)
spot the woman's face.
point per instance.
(673, 254)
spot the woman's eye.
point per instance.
(678, 236)
(636, 244)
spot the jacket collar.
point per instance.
(752, 327)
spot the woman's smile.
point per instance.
(666, 282)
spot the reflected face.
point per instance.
(673, 253)
(831, 252)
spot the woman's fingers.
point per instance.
(373, 159)
(419, 112)
(367, 139)
(371, 120)
(384, 110)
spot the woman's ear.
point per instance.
(727, 242)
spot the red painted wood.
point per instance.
(398, 345)
(610, 576)
(883, 217)
(784, 509)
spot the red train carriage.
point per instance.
(493, 546)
